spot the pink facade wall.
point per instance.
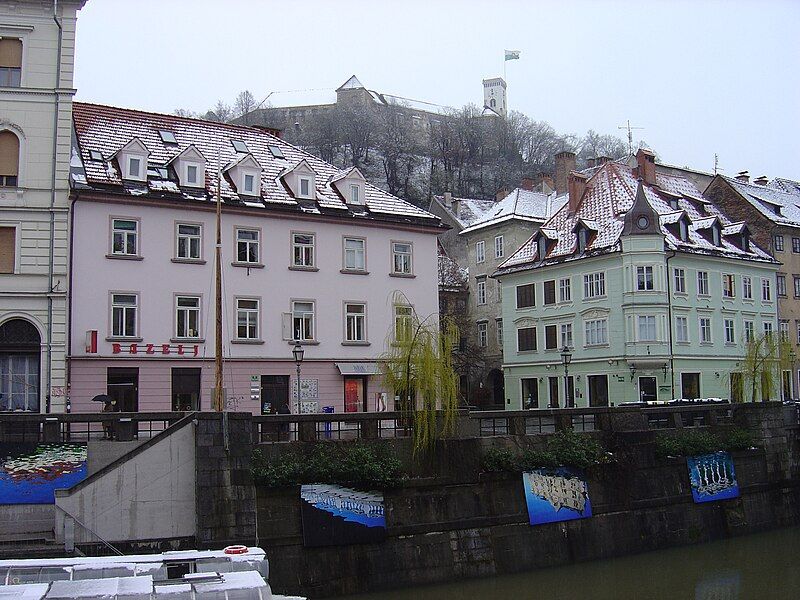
(157, 280)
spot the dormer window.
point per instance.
(190, 165)
(715, 235)
(191, 174)
(245, 174)
(541, 247)
(673, 202)
(304, 186)
(355, 197)
(134, 167)
(683, 230)
(583, 239)
(132, 160)
(249, 183)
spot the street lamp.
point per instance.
(298, 352)
(566, 358)
(792, 357)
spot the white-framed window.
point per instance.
(403, 322)
(188, 243)
(779, 243)
(247, 245)
(11, 69)
(644, 278)
(483, 336)
(498, 246)
(355, 322)
(247, 318)
(681, 329)
(303, 320)
(646, 326)
(480, 251)
(134, 167)
(526, 339)
(566, 335)
(9, 153)
(499, 327)
(783, 329)
(749, 331)
(730, 333)
(480, 296)
(355, 193)
(596, 332)
(125, 237)
(303, 250)
(526, 295)
(402, 255)
(191, 174)
(565, 289)
(679, 276)
(728, 285)
(187, 316)
(305, 185)
(249, 183)
(124, 315)
(766, 290)
(768, 328)
(355, 254)
(594, 284)
(705, 330)
(747, 287)
(796, 281)
(702, 283)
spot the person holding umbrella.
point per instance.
(108, 406)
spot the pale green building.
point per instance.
(650, 287)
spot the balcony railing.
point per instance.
(82, 427)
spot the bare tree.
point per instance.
(185, 112)
(244, 103)
(222, 112)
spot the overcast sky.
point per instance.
(700, 77)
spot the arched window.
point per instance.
(492, 102)
(20, 347)
(10, 62)
(9, 159)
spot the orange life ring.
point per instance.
(235, 550)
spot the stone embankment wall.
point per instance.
(471, 525)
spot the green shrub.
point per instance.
(357, 464)
(694, 442)
(564, 449)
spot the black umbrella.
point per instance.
(101, 398)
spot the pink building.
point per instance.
(310, 254)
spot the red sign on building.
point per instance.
(159, 349)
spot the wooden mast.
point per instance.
(218, 399)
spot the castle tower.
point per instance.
(494, 95)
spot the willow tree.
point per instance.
(767, 356)
(418, 369)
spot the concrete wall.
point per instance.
(148, 494)
(28, 520)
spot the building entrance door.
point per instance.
(552, 383)
(355, 394)
(185, 389)
(122, 385)
(598, 390)
(275, 394)
(20, 346)
(647, 389)
(690, 386)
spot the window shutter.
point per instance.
(7, 249)
(11, 53)
(286, 326)
(9, 154)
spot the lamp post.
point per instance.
(566, 358)
(298, 352)
(792, 357)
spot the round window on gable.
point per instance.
(642, 222)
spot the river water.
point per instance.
(763, 566)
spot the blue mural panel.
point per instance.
(30, 473)
(555, 495)
(712, 477)
(333, 515)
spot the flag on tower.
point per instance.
(512, 54)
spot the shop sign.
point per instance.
(153, 349)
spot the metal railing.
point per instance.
(82, 427)
(322, 426)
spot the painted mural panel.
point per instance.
(712, 477)
(554, 495)
(333, 515)
(30, 473)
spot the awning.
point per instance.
(361, 368)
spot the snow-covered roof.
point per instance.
(776, 202)
(299, 98)
(786, 185)
(520, 204)
(609, 195)
(352, 84)
(469, 209)
(107, 129)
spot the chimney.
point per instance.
(527, 184)
(547, 184)
(577, 185)
(761, 180)
(565, 162)
(590, 162)
(646, 166)
(455, 206)
(601, 160)
(743, 176)
(501, 193)
(448, 199)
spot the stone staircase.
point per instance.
(31, 545)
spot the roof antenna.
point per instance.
(630, 134)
